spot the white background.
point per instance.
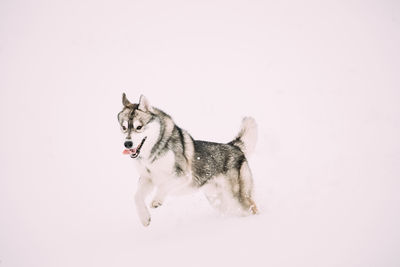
(320, 77)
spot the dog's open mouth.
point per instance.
(134, 152)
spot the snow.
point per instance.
(320, 78)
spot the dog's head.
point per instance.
(135, 121)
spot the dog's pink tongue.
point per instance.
(128, 151)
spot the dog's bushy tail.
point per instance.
(247, 136)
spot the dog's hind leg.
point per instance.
(215, 194)
(232, 193)
(220, 192)
(246, 189)
(145, 187)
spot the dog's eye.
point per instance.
(139, 127)
(124, 126)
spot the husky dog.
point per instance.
(171, 161)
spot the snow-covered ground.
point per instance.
(320, 77)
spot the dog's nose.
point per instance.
(128, 144)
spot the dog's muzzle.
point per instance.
(133, 152)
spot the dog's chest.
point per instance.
(160, 171)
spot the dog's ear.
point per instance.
(125, 101)
(144, 104)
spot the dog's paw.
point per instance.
(146, 221)
(156, 203)
(254, 210)
(144, 217)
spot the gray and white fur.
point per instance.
(170, 161)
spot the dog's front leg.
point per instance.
(145, 186)
(159, 197)
(172, 187)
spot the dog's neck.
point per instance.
(165, 129)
